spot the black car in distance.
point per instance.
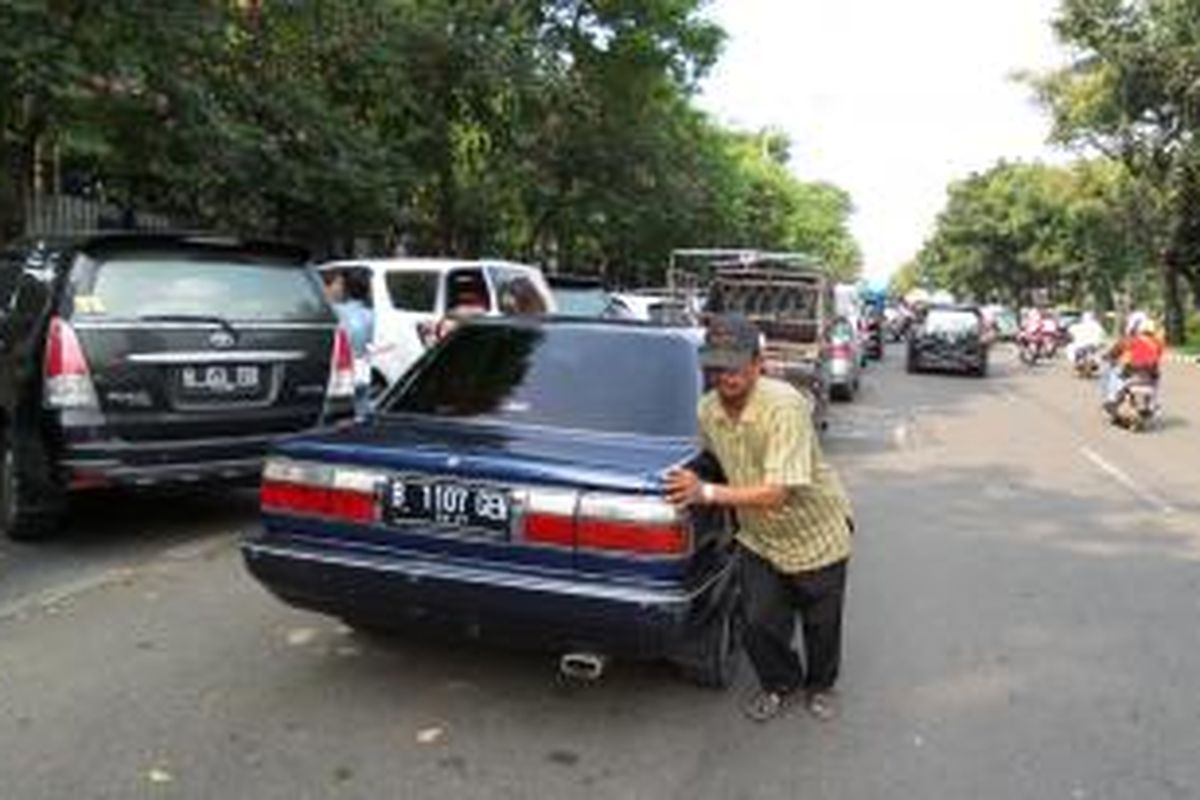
(148, 359)
(949, 338)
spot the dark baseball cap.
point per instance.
(731, 342)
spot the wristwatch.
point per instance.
(708, 493)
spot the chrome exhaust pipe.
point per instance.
(582, 667)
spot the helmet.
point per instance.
(1136, 321)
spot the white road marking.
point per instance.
(1144, 494)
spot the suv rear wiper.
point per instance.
(211, 319)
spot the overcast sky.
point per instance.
(891, 99)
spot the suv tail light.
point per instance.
(68, 380)
(346, 494)
(633, 525)
(341, 367)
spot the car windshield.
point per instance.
(605, 379)
(946, 321)
(412, 290)
(580, 301)
(842, 332)
(190, 284)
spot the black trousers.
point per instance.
(771, 601)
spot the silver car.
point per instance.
(845, 360)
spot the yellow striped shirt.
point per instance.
(773, 443)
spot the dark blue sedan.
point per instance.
(511, 487)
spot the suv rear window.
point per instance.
(199, 284)
(601, 379)
(951, 321)
(413, 291)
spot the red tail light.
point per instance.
(548, 516)
(606, 523)
(345, 494)
(633, 537)
(642, 525)
(68, 380)
(341, 366)
(840, 350)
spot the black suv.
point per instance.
(949, 338)
(146, 359)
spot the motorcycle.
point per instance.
(1137, 406)
(1087, 361)
(1036, 345)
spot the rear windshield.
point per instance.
(601, 379)
(201, 284)
(413, 291)
(842, 331)
(945, 321)
(581, 302)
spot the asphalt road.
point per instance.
(1022, 623)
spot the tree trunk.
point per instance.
(1172, 299)
(1193, 280)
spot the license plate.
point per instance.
(451, 504)
(221, 380)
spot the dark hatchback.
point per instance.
(949, 338)
(511, 488)
(149, 359)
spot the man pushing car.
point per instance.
(795, 520)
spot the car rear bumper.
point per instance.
(123, 463)
(558, 613)
(944, 360)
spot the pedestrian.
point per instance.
(795, 520)
(350, 295)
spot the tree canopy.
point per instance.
(1019, 229)
(563, 131)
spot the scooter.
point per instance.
(1035, 346)
(1137, 407)
(1087, 361)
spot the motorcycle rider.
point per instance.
(1039, 334)
(1087, 334)
(1138, 353)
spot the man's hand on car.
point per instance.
(684, 487)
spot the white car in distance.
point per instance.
(409, 296)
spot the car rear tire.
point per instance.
(912, 366)
(718, 651)
(20, 518)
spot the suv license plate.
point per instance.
(221, 380)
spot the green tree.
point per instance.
(1131, 94)
(563, 131)
(1020, 228)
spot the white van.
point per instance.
(410, 295)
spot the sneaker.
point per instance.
(764, 705)
(822, 705)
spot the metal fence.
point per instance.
(62, 213)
